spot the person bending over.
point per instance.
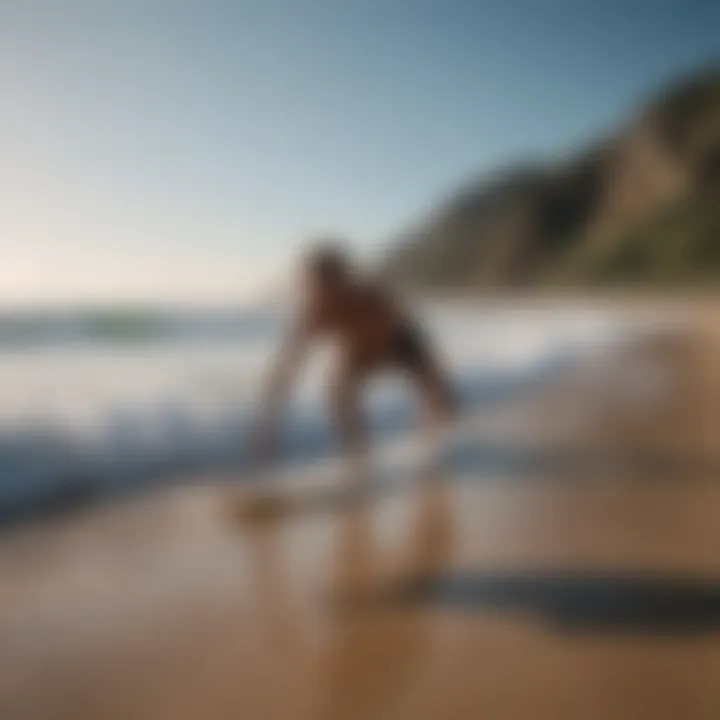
(372, 334)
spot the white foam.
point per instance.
(109, 417)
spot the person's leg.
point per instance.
(438, 398)
(415, 358)
(347, 411)
(439, 402)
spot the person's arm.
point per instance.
(277, 386)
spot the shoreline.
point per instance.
(492, 585)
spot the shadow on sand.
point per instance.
(582, 601)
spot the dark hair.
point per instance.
(327, 262)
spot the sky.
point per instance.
(184, 150)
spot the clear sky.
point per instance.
(182, 149)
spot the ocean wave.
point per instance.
(106, 423)
(45, 467)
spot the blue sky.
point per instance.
(184, 149)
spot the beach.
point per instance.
(565, 564)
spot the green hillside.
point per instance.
(642, 207)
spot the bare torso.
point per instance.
(364, 320)
(372, 333)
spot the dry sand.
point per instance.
(571, 569)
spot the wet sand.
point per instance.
(568, 567)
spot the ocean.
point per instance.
(103, 403)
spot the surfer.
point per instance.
(372, 333)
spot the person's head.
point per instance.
(326, 266)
